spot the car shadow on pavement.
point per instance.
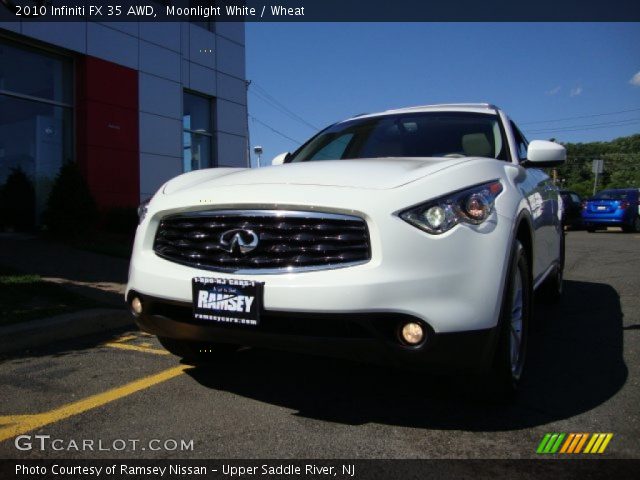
(575, 364)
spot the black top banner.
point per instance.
(320, 10)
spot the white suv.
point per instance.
(413, 236)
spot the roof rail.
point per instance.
(462, 105)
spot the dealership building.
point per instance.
(133, 103)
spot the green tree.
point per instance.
(621, 165)
(71, 210)
(17, 202)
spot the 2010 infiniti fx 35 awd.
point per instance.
(413, 236)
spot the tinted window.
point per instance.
(334, 149)
(36, 122)
(612, 195)
(35, 74)
(197, 135)
(422, 134)
(521, 142)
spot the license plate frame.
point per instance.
(227, 301)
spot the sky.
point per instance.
(547, 73)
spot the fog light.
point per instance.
(136, 306)
(412, 333)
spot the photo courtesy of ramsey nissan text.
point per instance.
(298, 239)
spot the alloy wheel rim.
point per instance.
(515, 326)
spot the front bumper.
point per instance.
(361, 337)
(453, 282)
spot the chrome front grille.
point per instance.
(284, 240)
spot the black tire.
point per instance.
(197, 352)
(505, 376)
(551, 290)
(591, 230)
(635, 227)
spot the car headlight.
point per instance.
(472, 205)
(142, 210)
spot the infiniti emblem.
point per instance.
(240, 239)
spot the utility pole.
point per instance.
(597, 168)
(247, 83)
(554, 171)
(258, 151)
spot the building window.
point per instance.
(197, 136)
(36, 118)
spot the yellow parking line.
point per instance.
(121, 343)
(13, 425)
(137, 348)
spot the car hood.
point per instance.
(377, 174)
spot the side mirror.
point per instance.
(542, 153)
(279, 159)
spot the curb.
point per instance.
(37, 333)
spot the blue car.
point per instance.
(612, 208)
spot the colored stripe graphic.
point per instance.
(544, 441)
(604, 445)
(567, 443)
(581, 443)
(591, 443)
(573, 443)
(577, 441)
(598, 443)
(550, 443)
(556, 445)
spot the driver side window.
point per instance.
(335, 149)
(521, 142)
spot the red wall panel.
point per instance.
(111, 127)
(110, 184)
(107, 137)
(107, 82)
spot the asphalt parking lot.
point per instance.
(122, 388)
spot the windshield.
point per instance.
(612, 195)
(421, 134)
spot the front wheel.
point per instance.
(509, 360)
(197, 352)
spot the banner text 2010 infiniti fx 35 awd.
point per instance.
(413, 236)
